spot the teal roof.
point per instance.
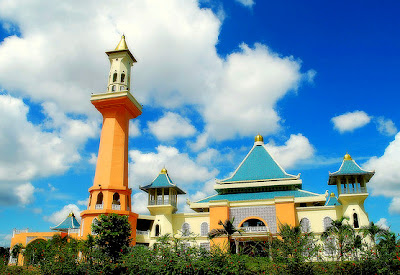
(332, 201)
(162, 181)
(258, 165)
(350, 167)
(258, 196)
(70, 222)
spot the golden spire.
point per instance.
(163, 171)
(347, 157)
(122, 44)
(259, 138)
(332, 194)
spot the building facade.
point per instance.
(258, 197)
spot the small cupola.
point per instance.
(259, 140)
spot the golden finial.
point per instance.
(259, 138)
(332, 194)
(122, 44)
(71, 214)
(163, 171)
(347, 157)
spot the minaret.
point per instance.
(351, 181)
(110, 192)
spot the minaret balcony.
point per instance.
(116, 207)
(252, 229)
(353, 190)
(162, 202)
(98, 206)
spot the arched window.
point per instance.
(100, 198)
(185, 229)
(122, 77)
(204, 229)
(90, 201)
(355, 220)
(128, 202)
(305, 225)
(115, 77)
(116, 199)
(94, 222)
(113, 88)
(327, 223)
(158, 231)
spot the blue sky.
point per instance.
(317, 80)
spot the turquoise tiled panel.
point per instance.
(350, 167)
(68, 223)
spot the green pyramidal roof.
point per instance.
(258, 165)
(162, 181)
(70, 222)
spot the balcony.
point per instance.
(98, 206)
(74, 231)
(144, 233)
(160, 202)
(351, 190)
(12, 260)
(254, 229)
(116, 207)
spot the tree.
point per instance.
(227, 229)
(340, 236)
(113, 235)
(373, 232)
(16, 250)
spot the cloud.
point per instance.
(93, 159)
(171, 126)
(60, 215)
(25, 193)
(134, 128)
(83, 202)
(350, 121)
(139, 203)
(183, 170)
(386, 180)
(297, 148)
(29, 151)
(385, 126)
(246, 3)
(382, 223)
(394, 207)
(230, 111)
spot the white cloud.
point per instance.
(60, 215)
(297, 148)
(93, 159)
(139, 203)
(25, 193)
(231, 111)
(134, 128)
(350, 121)
(171, 126)
(144, 167)
(83, 202)
(394, 207)
(386, 180)
(385, 126)
(382, 223)
(246, 3)
(29, 151)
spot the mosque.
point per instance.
(258, 196)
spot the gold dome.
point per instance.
(122, 44)
(259, 138)
(332, 194)
(347, 157)
(163, 171)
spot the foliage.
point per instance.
(16, 250)
(228, 229)
(4, 255)
(113, 235)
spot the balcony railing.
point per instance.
(141, 232)
(12, 260)
(249, 229)
(160, 202)
(98, 206)
(116, 207)
(19, 231)
(75, 230)
(354, 190)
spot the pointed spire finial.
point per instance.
(122, 44)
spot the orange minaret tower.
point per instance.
(110, 192)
